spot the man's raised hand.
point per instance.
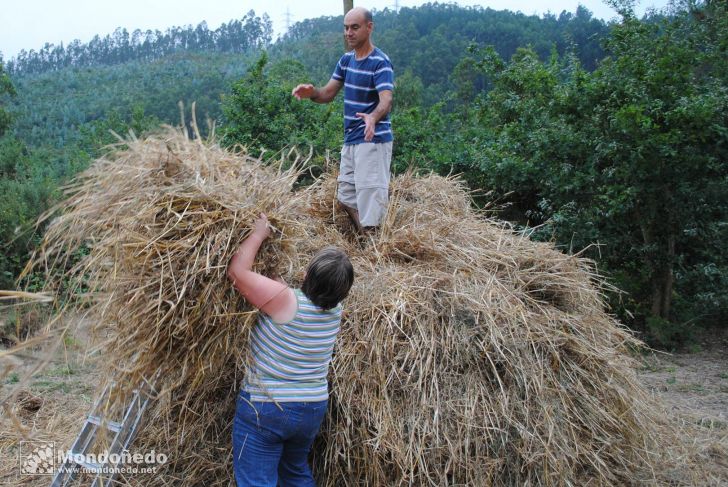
(304, 91)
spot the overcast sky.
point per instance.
(28, 24)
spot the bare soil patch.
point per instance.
(693, 386)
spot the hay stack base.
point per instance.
(469, 355)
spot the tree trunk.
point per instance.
(661, 278)
(348, 5)
(662, 282)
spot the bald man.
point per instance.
(367, 76)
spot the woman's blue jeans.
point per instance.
(271, 441)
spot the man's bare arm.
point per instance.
(384, 106)
(318, 95)
(371, 119)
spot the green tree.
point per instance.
(632, 156)
(261, 113)
(661, 108)
(6, 89)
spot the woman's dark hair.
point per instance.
(328, 278)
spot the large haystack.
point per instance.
(469, 354)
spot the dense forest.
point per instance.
(608, 139)
(249, 33)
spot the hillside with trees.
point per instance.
(430, 40)
(608, 139)
(237, 36)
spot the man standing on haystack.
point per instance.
(367, 76)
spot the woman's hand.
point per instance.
(261, 227)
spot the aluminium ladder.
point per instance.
(123, 432)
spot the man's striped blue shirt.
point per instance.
(363, 80)
(291, 360)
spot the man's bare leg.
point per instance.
(354, 215)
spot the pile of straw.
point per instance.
(468, 354)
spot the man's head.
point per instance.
(328, 278)
(358, 26)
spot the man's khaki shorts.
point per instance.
(364, 180)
